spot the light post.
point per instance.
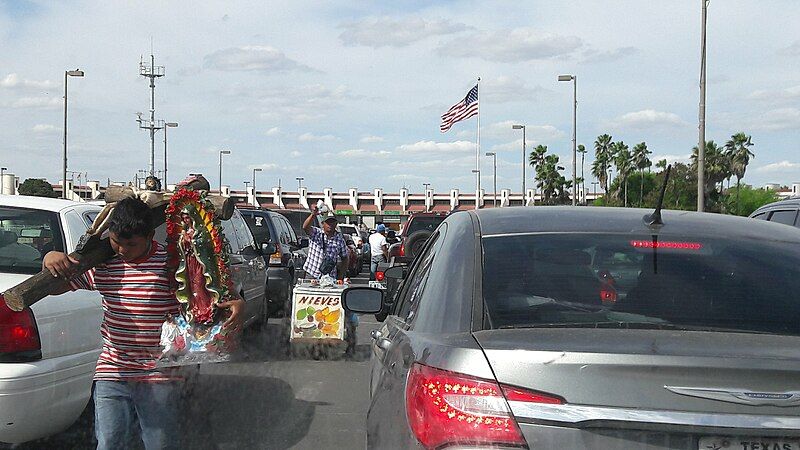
(478, 192)
(2, 178)
(167, 125)
(255, 197)
(221, 152)
(68, 73)
(574, 80)
(299, 183)
(524, 158)
(701, 146)
(494, 189)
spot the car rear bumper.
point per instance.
(44, 397)
(279, 279)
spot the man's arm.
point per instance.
(62, 267)
(307, 225)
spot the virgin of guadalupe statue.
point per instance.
(196, 289)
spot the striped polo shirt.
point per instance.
(136, 299)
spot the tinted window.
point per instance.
(760, 216)
(242, 232)
(26, 235)
(288, 226)
(415, 285)
(230, 235)
(424, 223)
(621, 281)
(259, 226)
(784, 216)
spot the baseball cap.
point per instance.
(381, 228)
(331, 219)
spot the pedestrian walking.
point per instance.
(379, 250)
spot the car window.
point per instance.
(636, 281)
(259, 226)
(414, 287)
(26, 235)
(230, 235)
(281, 229)
(428, 223)
(292, 236)
(760, 216)
(242, 232)
(89, 217)
(786, 217)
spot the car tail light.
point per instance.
(276, 259)
(674, 245)
(380, 276)
(446, 408)
(402, 249)
(18, 332)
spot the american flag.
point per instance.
(461, 111)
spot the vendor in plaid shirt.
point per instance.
(325, 241)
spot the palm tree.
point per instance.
(624, 163)
(535, 160)
(641, 162)
(582, 150)
(716, 164)
(738, 151)
(603, 153)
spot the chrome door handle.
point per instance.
(376, 334)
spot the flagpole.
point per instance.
(478, 148)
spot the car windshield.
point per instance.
(607, 280)
(26, 235)
(296, 219)
(259, 226)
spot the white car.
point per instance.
(48, 352)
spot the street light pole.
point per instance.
(2, 178)
(701, 147)
(574, 80)
(255, 197)
(299, 183)
(67, 73)
(477, 193)
(167, 125)
(221, 152)
(494, 189)
(524, 158)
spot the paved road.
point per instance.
(266, 400)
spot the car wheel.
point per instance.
(415, 243)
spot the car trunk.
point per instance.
(642, 369)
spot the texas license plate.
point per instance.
(747, 443)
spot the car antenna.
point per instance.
(655, 218)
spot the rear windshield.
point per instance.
(258, 226)
(26, 235)
(428, 223)
(616, 281)
(296, 219)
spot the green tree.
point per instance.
(535, 159)
(36, 187)
(745, 199)
(641, 162)
(739, 154)
(582, 150)
(624, 164)
(552, 183)
(717, 169)
(603, 157)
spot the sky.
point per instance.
(350, 94)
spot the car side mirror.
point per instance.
(268, 248)
(363, 300)
(303, 242)
(396, 272)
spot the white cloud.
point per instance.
(371, 139)
(435, 165)
(520, 44)
(37, 102)
(45, 129)
(274, 131)
(777, 96)
(505, 89)
(13, 80)
(388, 32)
(264, 167)
(776, 120)
(309, 137)
(671, 159)
(252, 58)
(295, 154)
(509, 146)
(406, 177)
(504, 130)
(647, 118)
(792, 50)
(594, 56)
(427, 147)
(783, 166)
(300, 103)
(361, 153)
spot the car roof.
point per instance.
(792, 201)
(43, 203)
(566, 219)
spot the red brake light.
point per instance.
(379, 276)
(667, 244)
(18, 332)
(403, 249)
(449, 408)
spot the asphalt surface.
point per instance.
(266, 399)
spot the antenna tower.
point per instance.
(152, 72)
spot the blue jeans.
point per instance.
(373, 266)
(117, 405)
